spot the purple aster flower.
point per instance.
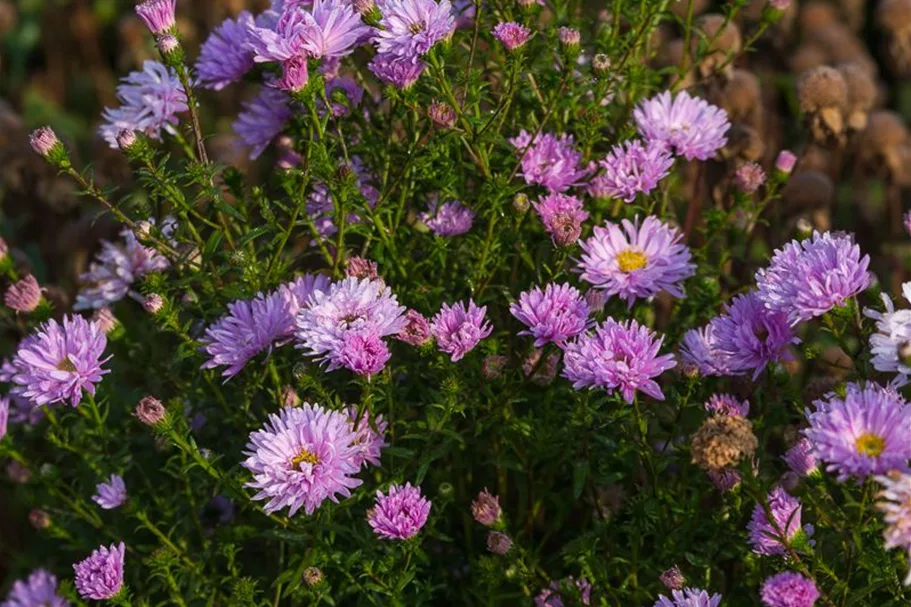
(363, 352)
(459, 328)
(111, 494)
(365, 307)
(225, 57)
(333, 30)
(409, 28)
(866, 432)
(807, 279)
(631, 168)
(553, 595)
(726, 404)
(400, 72)
(58, 362)
(801, 460)
(616, 356)
(350, 90)
(4, 415)
(562, 217)
(38, 590)
(416, 330)
(549, 161)
(100, 576)
(149, 102)
(689, 126)
(891, 344)
(115, 269)
(639, 263)
(262, 119)
(513, 35)
(895, 504)
(279, 38)
(766, 537)
(158, 15)
(447, 219)
(689, 597)
(699, 350)
(24, 411)
(302, 456)
(369, 438)
(552, 316)
(399, 514)
(249, 327)
(750, 336)
(789, 589)
(464, 12)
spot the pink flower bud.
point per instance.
(290, 397)
(417, 329)
(44, 140)
(492, 366)
(442, 114)
(785, 161)
(498, 543)
(158, 15)
(126, 139)
(294, 75)
(23, 296)
(313, 576)
(153, 303)
(149, 411)
(167, 44)
(358, 267)
(673, 578)
(780, 4)
(569, 36)
(749, 177)
(105, 319)
(486, 509)
(4, 249)
(511, 34)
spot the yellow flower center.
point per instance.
(870, 444)
(631, 260)
(305, 456)
(66, 365)
(417, 28)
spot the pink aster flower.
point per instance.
(447, 219)
(59, 362)
(459, 328)
(562, 217)
(38, 590)
(895, 504)
(726, 404)
(513, 35)
(749, 177)
(263, 118)
(360, 267)
(765, 537)
(549, 161)
(398, 514)
(410, 28)
(574, 591)
(150, 101)
(866, 432)
(553, 315)
(633, 261)
(699, 351)
(224, 58)
(631, 168)
(369, 437)
(789, 589)
(689, 126)
(689, 597)
(24, 295)
(100, 576)
(486, 509)
(416, 330)
(807, 279)
(750, 336)
(111, 494)
(302, 456)
(158, 15)
(365, 307)
(673, 578)
(400, 72)
(365, 353)
(617, 356)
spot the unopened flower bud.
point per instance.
(126, 139)
(417, 329)
(149, 411)
(486, 509)
(492, 366)
(39, 519)
(153, 303)
(520, 203)
(442, 114)
(46, 144)
(23, 296)
(569, 37)
(358, 267)
(168, 45)
(804, 228)
(294, 75)
(18, 473)
(105, 319)
(290, 397)
(158, 15)
(566, 229)
(498, 543)
(749, 177)
(299, 371)
(364, 6)
(313, 576)
(785, 161)
(601, 63)
(673, 578)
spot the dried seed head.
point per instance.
(842, 45)
(861, 86)
(721, 37)
(492, 366)
(313, 576)
(744, 143)
(722, 441)
(816, 14)
(808, 55)
(808, 189)
(741, 95)
(894, 16)
(821, 87)
(882, 142)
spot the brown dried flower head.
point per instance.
(722, 441)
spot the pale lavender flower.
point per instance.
(459, 328)
(766, 537)
(699, 350)
(111, 494)
(38, 590)
(513, 35)
(24, 411)
(333, 29)
(224, 58)
(410, 28)
(636, 261)
(24, 295)
(100, 576)
(400, 72)
(263, 118)
(486, 509)
(553, 595)
(866, 432)
(689, 126)
(299, 293)
(562, 217)
(149, 102)
(550, 161)
(749, 177)
(895, 504)
(416, 330)
(689, 597)
(631, 168)
(789, 589)
(727, 404)
(158, 15)
(4, 415)
(464, 12)
(369, 437)
(153, 303)
(891, 344)
(617, 356)
(553, 315)
(807, 279)
(365, 307)
(907, 222)
(398, 514)
(58, 362)
(801, 459)
(279, 37)
(447, 219)
(750, 336)
(302, 456)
